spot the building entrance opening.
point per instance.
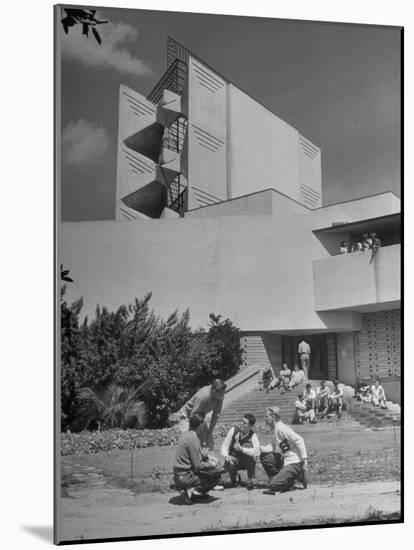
(318, 365)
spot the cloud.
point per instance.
(83, 143)
(110, 53)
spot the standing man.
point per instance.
(240, 449)
(208, 399)
(284, 460)
(304, 352)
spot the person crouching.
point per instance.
(284, 460)
(194, 474)
(240, 449)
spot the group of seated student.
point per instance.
(374, 394)
(368, 241)
(285, 381)
(321, 402)
(196, 472)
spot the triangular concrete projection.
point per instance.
(149, 200)
(148, 141)
(169, 108)
(170, 164)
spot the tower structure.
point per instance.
(197, 139)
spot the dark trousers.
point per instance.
(240, 462)
(201, 481)
(281, 477)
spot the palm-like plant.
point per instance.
(112, 407)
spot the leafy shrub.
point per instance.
(111, 407)
(163, 362)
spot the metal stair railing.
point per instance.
(173, 79)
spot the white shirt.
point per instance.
(310, 395)
(300, 405)
(379, 392)
(297, 376)
(288, 443)
(324, 392)
(250, 451)
(339, 392)
(304, 347)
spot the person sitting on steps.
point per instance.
(267, 378)
(297, 377)
(284, 377)
(337, 399)
(322, 398)
(302, 412)
(309, 396)
(378, 395)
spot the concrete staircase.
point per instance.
(357, 414)
(374, 417)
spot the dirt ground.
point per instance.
(114, 512)
(119, 494)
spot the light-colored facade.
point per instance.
(219, 209)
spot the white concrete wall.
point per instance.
(207, 136)
(351, 280)
(268, 202)
(356, 210)
(243, 267)
(263, 149)
(310, 176)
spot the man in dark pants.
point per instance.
(285, 460)
(207, 400)
(240, 449)
(194, 473)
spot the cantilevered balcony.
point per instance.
(356, 281)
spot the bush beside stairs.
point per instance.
(356, 416)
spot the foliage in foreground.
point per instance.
(161, 363)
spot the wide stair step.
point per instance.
(356, 414)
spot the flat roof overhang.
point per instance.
(380, 224)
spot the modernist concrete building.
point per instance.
(219, 208)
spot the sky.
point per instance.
(339, 85)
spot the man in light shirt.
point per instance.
(378, 395)
(207, 400)
(285, 459)
(284, 378)
(322, 398)
(297, 377)
(309, 397)
(302, 411)
(337, 399)
(240, 449)
(304, 352)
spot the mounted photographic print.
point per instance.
(228, 253)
